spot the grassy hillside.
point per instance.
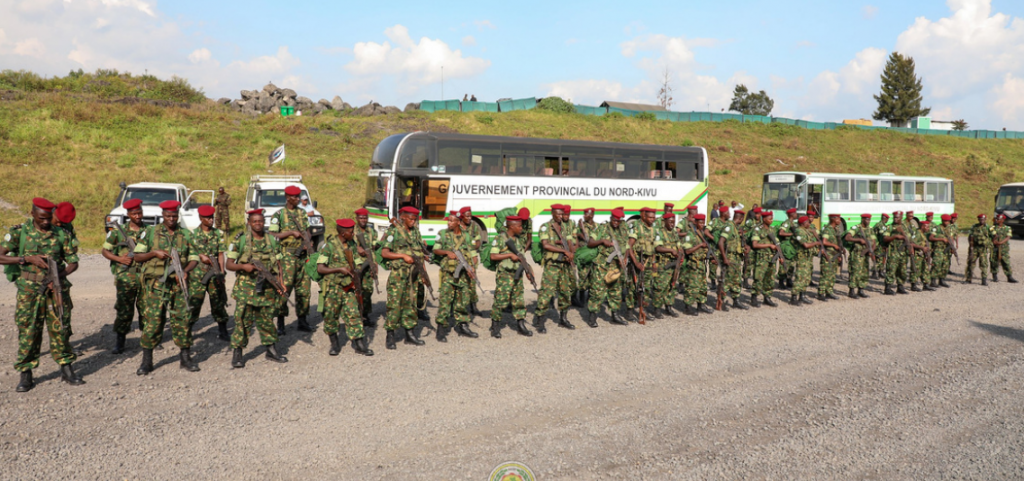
(78, 147)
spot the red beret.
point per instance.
(885, 216)
(646, 209)
(618, 213)
(739, 212)
(791, 211)
(833, 215)
(767, 213)
(865, 216)
(292, 190)
(465, 209)
(998, 217)
(898, 212)
(132, 204)
(947, 217)
(954, 215)
(65, 212)
(409, 210)
(345, 223)
(669, 204)
(691, 207)
(453, 212)
(668, 215)
(513, 217)
(588, 209)
(981, 216)
(924, 223)
(361, 211)
(757, 210)
(929, 214)
(555, 207)
(170, 205)
(254, 211)
(567, 207)
(699, 217)
(523, 213)
(910, 212)
(42, 203)
(723, 209)
(803, 219)
(206, 210)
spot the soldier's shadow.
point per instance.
(1008, 332)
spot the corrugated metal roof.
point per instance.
(629, 106)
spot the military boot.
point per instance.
(671, 312)
(496, 329)
(304, 326)
(769, 302)
(360, 346)
(67, 374)
(654, 313)
(1011, 280)
(147, 363)
(522, 329)
(538, 324)
(462, 329)
(273, 355)
(280, 325)
(832, 295)
(237, 360)
(185, 361)
(689, 310)
(995, 277)
(335, 344)
(900, 289)
(805, 299)
(422, 315)
(736, 304)
(473, 310)
(794, 299)
(934, 283)
(591, 319)
(942, 282)
(703, 307)
(967, 280)
(25, 384)
(367, 322)
(755, 301)
(853, 293)
(927, 286)
(821, 297)
(984, 281)
(222, 332)
(914, 288)
(411, 339)
(889, 291)
(616, 319)
(389, 341)
(861, 294)
(441, 333)
(119, 344)
(563, 320)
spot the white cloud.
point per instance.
(869, 12)
(482, 24)
(3, 38)
(585, 91)
(1008, 99)
(31, 47)
(267, 64)
(200, 55)
(468, 41)
(415, 64)
(805, 44)
(144, 7)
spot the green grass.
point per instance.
(78, 147)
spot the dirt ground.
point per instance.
(921, 386)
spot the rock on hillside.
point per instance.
(270, 99)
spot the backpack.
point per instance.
(13, 271)
(311, 264)
(485, 255)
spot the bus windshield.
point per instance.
(1010, 198)
(384, 154)
(780, 196)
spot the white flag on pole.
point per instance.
(277, 155)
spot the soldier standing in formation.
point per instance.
(832, 238)
(895, 236)
(731, 247)
(363, 235)
(644, 238)
(557, 283)
(339, 262)
(862, 237)
(509, 293)
(785, 233)
(765, 249)
(695, 280)
(806, 243)
(256, 302)
(1000, 257)
(880, 229)
(402, 248)
(980, 238)
(288, 225)
(222, 204)
(669, 253)
(922, 251)
(29, 246)
(477, 237)
(608, 273)
(455, 292)
(63, 217)
(584, 231)
(208, 278)
(127, 278)
(941, 251)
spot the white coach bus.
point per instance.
(851, 195)
(438, 172)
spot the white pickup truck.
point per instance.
(152, 194)
(267, 192)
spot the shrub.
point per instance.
(556, 104)
(646, 116)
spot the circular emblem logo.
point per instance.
(391, 238)
(512, 471)
(7, 238)
(273, 220)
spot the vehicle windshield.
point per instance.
(150, 196)
(779, 196)
(1010, 198)
(274, 198)
(376, 192)
(384, 154)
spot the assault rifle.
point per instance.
(357, 281)
(464, 266)
(565, 245)
(949, 246)
(128, 241)
(419, 271)
(371, 262)
(909, 245)
(264, 276)
(174, 266)
(871, 247)
(306, 248)
(638, 280)
(524, 265)
(55, 288)
(778, 249)
(721, 286)
(214, 270)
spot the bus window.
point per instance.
(579, 167)
(909, 190)
(635, 170)
(652, 170)
(520, 165)
(919, 191)
(861, 190)
(484, 161)
(897, 191)
(551, 166)
(415, 154)
(687, 171)
(435, 198)
(779, 196)
(837, 189)
(610, 169)
(376, 192)
(936, 192)
(885, 190)
(669, 170)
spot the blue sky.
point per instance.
(818, 60)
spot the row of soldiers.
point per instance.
(636, 269)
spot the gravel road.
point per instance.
(923, 386)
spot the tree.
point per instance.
(900, 98)
(748, 103)
(960, 125)
(665, 93)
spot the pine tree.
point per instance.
(900, 98)
(748, 103)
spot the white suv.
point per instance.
(267, 192)
(152, 194)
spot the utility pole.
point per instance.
(442, 83)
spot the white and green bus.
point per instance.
(851, 195)
(439, 172)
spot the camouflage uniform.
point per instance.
(664, 290)
(401, 304)
(127, 280)
(251, 306)
(647, 239)
(211, 244)
(694, 276)
(370, 246)
(980, 238)
(222, 219)
(999, 233)
(586, 270)
(940, 253)
(339, 293)
(734, 250)
(804, 259)
(764, 269)
(454, 294)
(69, 305)
(921, 270)
(33, 308)
(600, 291)
(474, 232)
(789, 251)
(828, 267)
(881, 255)
(159, 296)
(570, 231)
(748, 262)
(896, 258)
(859, 256)
(508, 293)
(295, 279)
(557, 283)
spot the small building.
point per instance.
(631, 106)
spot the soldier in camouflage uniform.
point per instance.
(222, 204)
(731, 248)
(1000, 257)
(557, 283)
(28, 246)
(508, 292)
(806, 243)
(255, 303)
(832, 238)
(764, 265)
(860, 235)
(922, 251)
(881, 255)
(694, 276)
(287, 225)
(644, 238)
(477, 237)
(127, 278)
(584, 230)
(895, 255)
(601, 291)
(669, 250)
(753, 220)
(715, 226)
(453, 303)
(980, 239)
(364, 236)
(208, 245)
(402, 247)
(338, 261)
(63, 216)
(160, 288)
(941, 244)
(785, 232)
(571, 232)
